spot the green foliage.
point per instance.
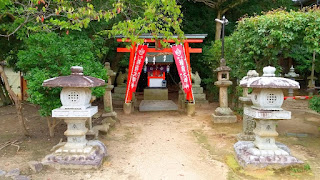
(305, 168)
(126, 17)
(159, 17)
(48, 55)
(211, 60)
(266, 40)
(314, 103)
(3, 3)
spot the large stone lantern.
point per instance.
(223, 114)
(267, 98)
(76, 109)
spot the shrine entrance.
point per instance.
(155, 63)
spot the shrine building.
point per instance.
(155, 60)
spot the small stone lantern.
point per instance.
(76, 109)
(223, 114)
(291, 75)
(107, 98)
(267, 98)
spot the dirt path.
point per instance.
(155, 145)
(166, 149)
(162, 145)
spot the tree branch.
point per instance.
(210, 3)
(20, 26)
(232, 5)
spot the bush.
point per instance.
(314, 103)
(48, 55)
(265, 40)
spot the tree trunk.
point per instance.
(115, 62)
(16, 100)
(218, 27)
(51, 131)
(52, 123)
(4, 94)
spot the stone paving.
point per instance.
(13, 174)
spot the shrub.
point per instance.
(48, 55)
(314, 103)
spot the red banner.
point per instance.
(183, 70)
(136, 71)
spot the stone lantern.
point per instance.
(76, 109)
(223, 114)
(107, 98)
(291, 75)
(267, 98)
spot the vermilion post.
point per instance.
(131, 61)
(187, 53)
(186, 47)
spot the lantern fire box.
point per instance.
(77, 152)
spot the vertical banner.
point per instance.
(136, 71)
(182, 66)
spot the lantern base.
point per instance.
(245, 137)
(89, 157)
(250, 157)
(224, 115)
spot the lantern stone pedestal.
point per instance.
(107, 98)
(248, 123)
(267, 98)
(77, 152)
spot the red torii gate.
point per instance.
(148, 38)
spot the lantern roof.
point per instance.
(268, 80)
(291, 73)
(223, 66)
(76, 79)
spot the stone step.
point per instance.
(157, 105)
(120, 90)
(199, 97)
(155, 94)
(118, 96)
(202, 101)
(197, 90)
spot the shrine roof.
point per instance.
(188, 36)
